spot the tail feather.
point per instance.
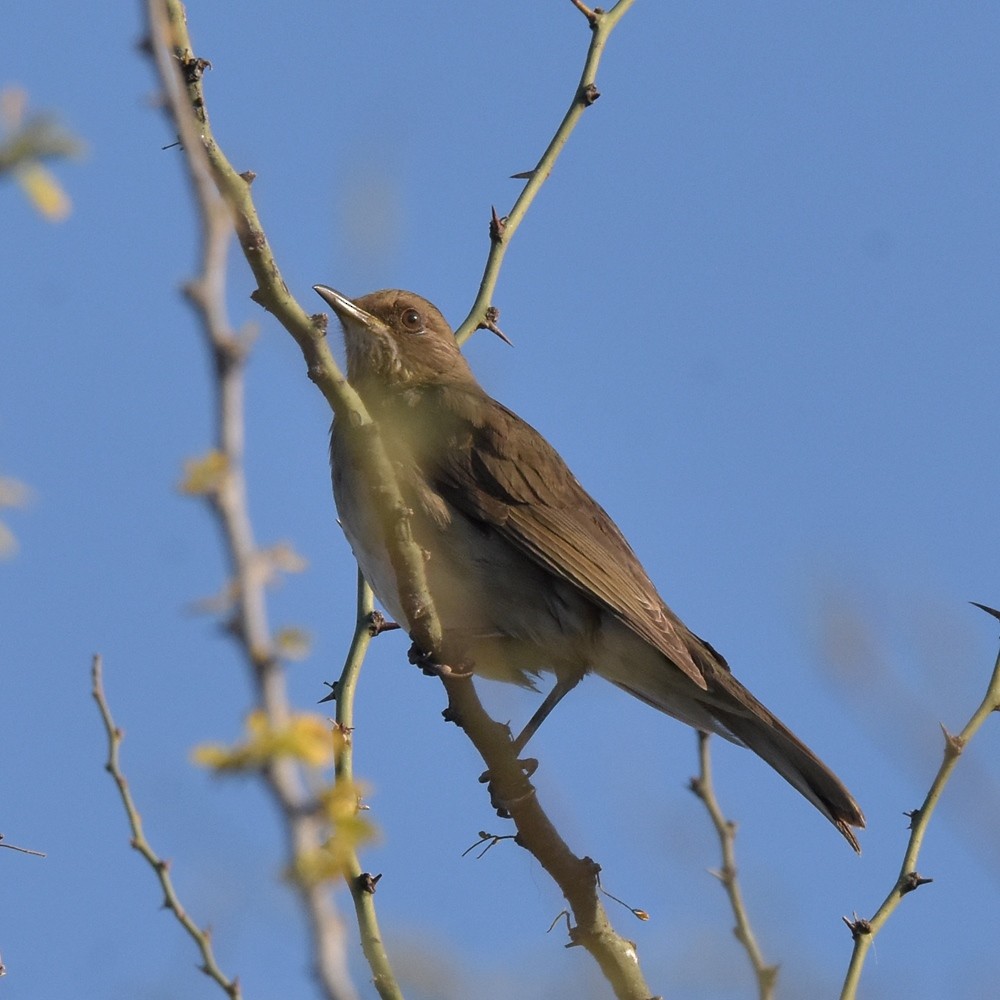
(771, 740)
(726, 707)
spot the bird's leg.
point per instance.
(562, 687)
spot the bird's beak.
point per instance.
(345, 309)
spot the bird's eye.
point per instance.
(412, 320)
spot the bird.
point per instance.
(527, 572)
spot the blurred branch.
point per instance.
(863, 931)
(502, 229)
(305, 826)
(13, 493)
(181, 75)
(181, 72)
(161, 868)
(704, 788)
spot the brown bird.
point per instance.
(527, 572)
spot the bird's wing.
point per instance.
(498, 469)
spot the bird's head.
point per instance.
(396, 339)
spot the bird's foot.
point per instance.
(432, 668)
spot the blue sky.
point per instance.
(755, 308)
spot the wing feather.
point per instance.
(500, 470)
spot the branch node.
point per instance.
(367, 882)
(489, 322)
(497, 225)
(378, 623)
(858, 927)
(911, 881)
(194, 68)
(953, 745)
(592, 16)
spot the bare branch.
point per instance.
(161, 868)
(704, 788)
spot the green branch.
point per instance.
(602, 23)
(361, 884)
(864, 931)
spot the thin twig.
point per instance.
(864, 931)
(704, 788)
(161, 868)
(21, 850)
(502, 230)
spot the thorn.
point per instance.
(525, 175)
(912, 881)
(490, 323)
(332, 696)
(953, 745)
(914, 817)
(988, 610)
(497, 226)
(367, 882)
(378, 623)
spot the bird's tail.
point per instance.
(753, 725)
(723, 705)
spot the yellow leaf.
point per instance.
(43, 191)
(204, 475)
(307, 738)
(293, 643)
(348, 831)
